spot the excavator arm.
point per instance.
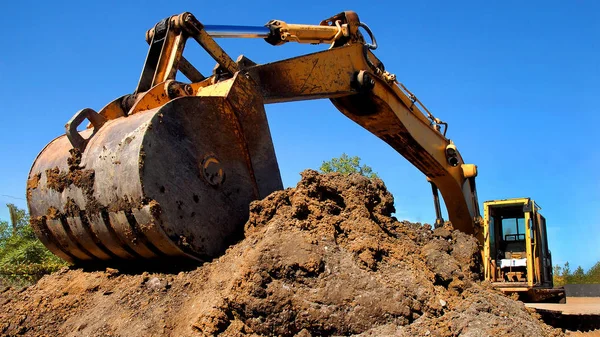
(357, 84)
(207, 143)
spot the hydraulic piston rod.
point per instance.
(338, 28)
(222, 31)
(280, 32)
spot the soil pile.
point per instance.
(324, 258)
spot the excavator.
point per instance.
(169, 170)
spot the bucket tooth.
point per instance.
(40, 228)
(85, 239)
(58, 230)
(127, 233)
(105, 234)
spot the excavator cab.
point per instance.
(516, 254)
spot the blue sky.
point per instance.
(517, 82)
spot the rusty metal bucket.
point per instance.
(173, 181)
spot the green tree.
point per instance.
(578, 276)
(347, 165)
(23, 258)
(563, 275)
(557, 277)
(593, 275)
(566, 270)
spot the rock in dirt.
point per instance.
(112, 271)
(156, 283)
(324, 258)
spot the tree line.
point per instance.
(563, 275)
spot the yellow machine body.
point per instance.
(516, 255)
(169, 170)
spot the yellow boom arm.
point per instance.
(348, 73)
(169, 170)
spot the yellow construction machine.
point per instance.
(516, 257)
(169, 170)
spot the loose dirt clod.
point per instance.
(33, 183)
(324, 258)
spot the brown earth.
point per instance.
(324, 258)
(573, 306)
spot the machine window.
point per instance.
(520, 225)
(509, 227)
(513, 229)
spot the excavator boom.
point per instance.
(169, 170)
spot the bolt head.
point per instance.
(213, 171)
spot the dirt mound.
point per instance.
(324, 258)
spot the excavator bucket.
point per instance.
(172, 181)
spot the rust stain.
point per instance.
(77, 176)
(155, 209)
(83, 179)
(71, 208)
(75, 159)
(122, 204)
(125, 204)
(142, 159)
(59, 181)
(52, 213)
(56, 180)
(36, 222)
(32, 183)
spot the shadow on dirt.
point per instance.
(166, 266)
(586, 322)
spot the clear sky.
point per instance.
(516, 81)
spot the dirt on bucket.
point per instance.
(324, 258)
